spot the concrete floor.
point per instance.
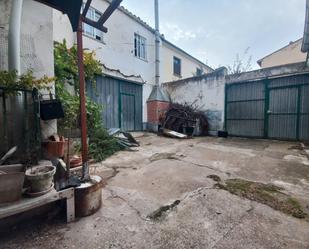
(166, 170)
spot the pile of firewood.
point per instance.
(186, 119)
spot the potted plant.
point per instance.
(40, 178)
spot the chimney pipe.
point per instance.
(157, 47)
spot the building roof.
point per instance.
(148, 27)
(305, 45)
(290, 44)
(69, 7)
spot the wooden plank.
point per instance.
(26, 204)
(70, 209)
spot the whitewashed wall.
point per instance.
(37, 51)
(117, 49)
(36, 43)
(206, 92)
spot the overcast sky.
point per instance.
(214, 31)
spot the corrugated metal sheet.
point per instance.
(105, 92)
(282, 127)
(245, 91)
(128, 112)
(305, 99)
(18, 123)
(246, 128)
(245, 109)
(304, 127)
(289, 81)
(280, 111)
(119, 110)
(304, 116)
(136, 90)
(283, 113)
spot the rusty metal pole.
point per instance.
(83, 115)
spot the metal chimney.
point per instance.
(157, 47)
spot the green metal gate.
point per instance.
(121, 101)
(273, 108)
(20, 122)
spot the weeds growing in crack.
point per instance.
(161, 212)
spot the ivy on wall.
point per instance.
(101, 145)
(12, 81)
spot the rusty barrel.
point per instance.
(88, 197)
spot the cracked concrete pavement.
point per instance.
(165, 170)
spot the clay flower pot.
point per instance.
(55, 148)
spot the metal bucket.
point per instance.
(88, 197)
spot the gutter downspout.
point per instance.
(14, 58)
(157, 47)
(14, 36)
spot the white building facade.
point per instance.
(127, 51)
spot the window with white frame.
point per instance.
(93, 15)
(140, 46)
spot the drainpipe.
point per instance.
(14, 63)
(157, 42)
(14, 35)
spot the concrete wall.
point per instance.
(5, 8)
(62, 28)
(287, 55)
(116, 51)
(36, 43)
(206, 92)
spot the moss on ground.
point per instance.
(267, 194)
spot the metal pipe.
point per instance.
(83, 118)
(157, 47)
(14, 35)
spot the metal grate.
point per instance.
(19, 122)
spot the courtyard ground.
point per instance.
(161, 196)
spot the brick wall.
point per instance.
(155, 109)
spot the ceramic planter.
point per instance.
(40, 178)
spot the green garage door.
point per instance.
(274, 108)
(121, 101)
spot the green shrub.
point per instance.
(101, 145)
